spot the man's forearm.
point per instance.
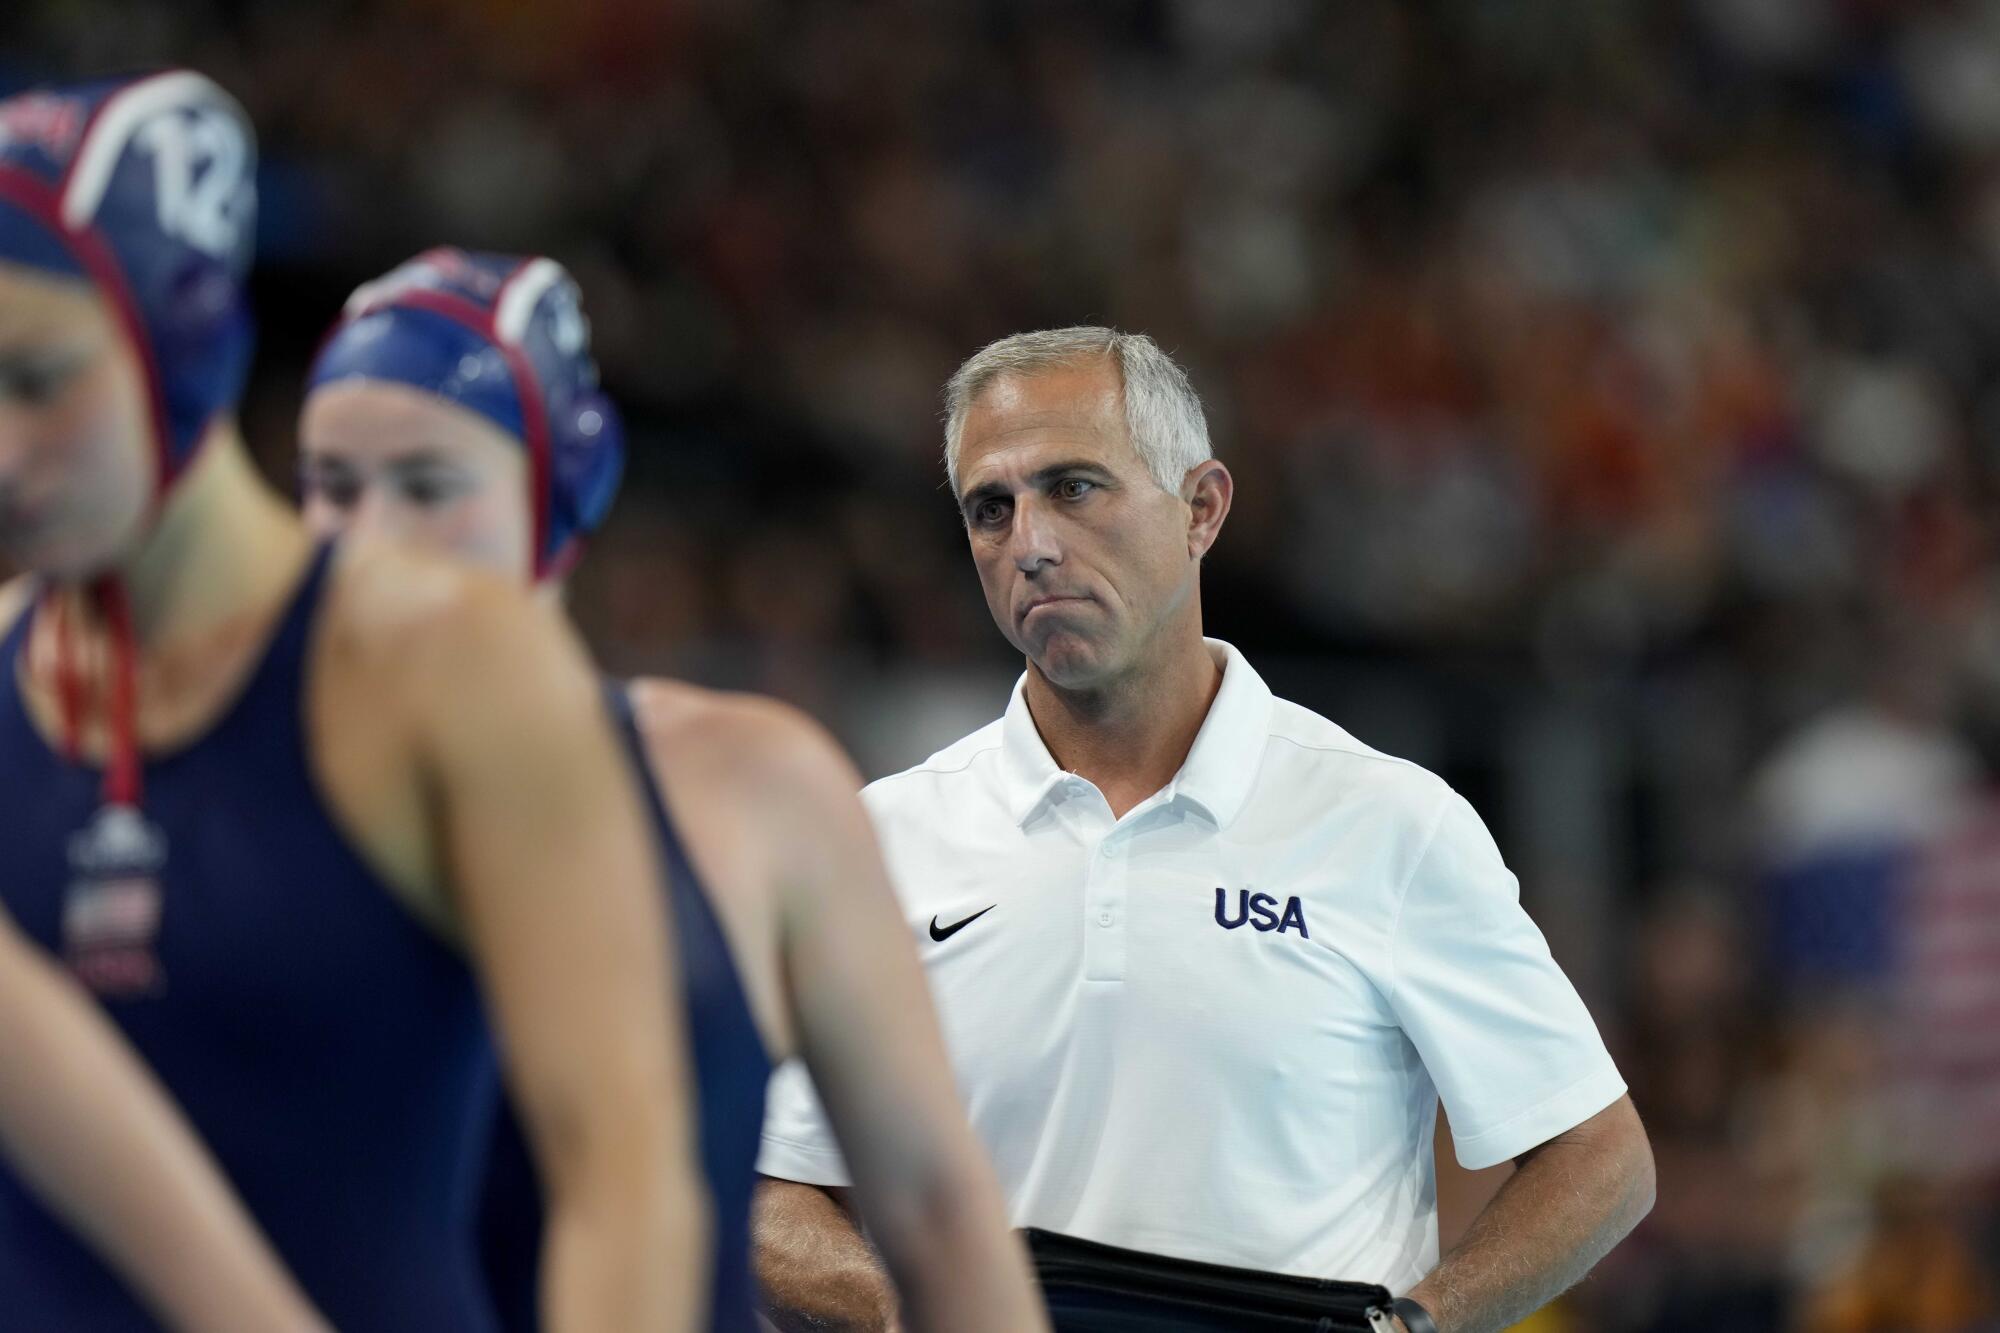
(813, 1264)
(1572, 1199)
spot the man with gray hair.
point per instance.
(1145, 1072)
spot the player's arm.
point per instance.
(1568, 1202)
(870, 1040)
(813, 1264)
(555, 883)
(86, 1125)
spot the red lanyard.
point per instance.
(122, 771)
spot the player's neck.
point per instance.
(1130, 736)
(222, 546)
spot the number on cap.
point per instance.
(198, 181)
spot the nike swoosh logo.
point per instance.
(941, 934)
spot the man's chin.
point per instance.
(1067, 661)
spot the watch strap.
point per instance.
(1414, 1316)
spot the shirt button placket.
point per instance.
(1104, 908)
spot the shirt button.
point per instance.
(1104, 918)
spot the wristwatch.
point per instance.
(1415, 1317)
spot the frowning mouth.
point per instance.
(1040, 602)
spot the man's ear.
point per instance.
(1208, 490)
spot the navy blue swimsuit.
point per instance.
(731, 1067)
(327, 1047)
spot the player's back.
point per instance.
(329, 1049)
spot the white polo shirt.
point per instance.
(1218, 1028)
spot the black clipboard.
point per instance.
(1095, 1288)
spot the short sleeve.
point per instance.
(798, 1142)
(1507, 1040)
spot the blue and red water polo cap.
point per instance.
(146, 187)
(504, 336)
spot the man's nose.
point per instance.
(1032, 541)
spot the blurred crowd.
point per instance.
(1644, 353)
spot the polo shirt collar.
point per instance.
(1217, 775)
(1029, 771)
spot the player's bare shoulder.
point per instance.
(392, 613)
(750, 778)
(760, 795)
(748, 742)
(407, 646)
(437, 640)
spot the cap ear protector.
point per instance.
(147, 188)
(503, 336)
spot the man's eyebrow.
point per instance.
(1037, 479)
(1043, 476)
(990, 490)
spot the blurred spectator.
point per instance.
(1846, 804)
(1947, 1012)
(1915, 1274)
